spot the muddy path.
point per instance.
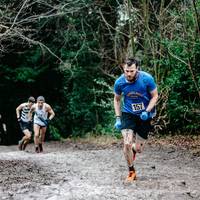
(76, 171)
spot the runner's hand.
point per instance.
(19, 119)
(144, 115)
(118, 124)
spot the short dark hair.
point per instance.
(131, 61)
(41, 98)
(31, 99)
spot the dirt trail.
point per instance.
(69, 171)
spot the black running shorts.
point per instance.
(130, 121)
(26, 125)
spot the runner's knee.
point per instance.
(127, 147)
(140, 142)
(128, 136)
(28, 137)
(138, 147)
(37, 135)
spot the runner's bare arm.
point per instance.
(153, 101)
(51, 112)
(18, 109)
(117, 104)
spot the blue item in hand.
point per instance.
(47, 122)
(144, 115)
(118, 123)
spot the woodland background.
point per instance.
(71, 51)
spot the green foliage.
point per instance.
(107, 129)
(183, 95)
(66, 50)
(172, 56)
(25, 74)
(26, 67)
(54, 133)
(89, 101)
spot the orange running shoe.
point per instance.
(131, 176)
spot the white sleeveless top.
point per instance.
(40, 115)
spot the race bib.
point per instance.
(137, 107)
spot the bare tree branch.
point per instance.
(108, 25)
(23, 5)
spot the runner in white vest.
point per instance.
(43, 113)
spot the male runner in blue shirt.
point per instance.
(140, 95)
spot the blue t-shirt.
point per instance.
(136, 94)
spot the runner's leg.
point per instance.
(128, 153)
(36, 129)
(139, 144)
(128, 140)
(26, 138)
(20, 142)
(42, 137)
